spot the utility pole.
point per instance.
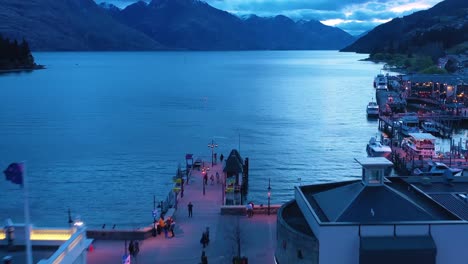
(269, 195)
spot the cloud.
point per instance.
(353, 16)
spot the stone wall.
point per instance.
(294, 246)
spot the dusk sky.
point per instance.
(353, 16)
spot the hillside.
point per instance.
(430, 32)
(68, 25)
(195, 25)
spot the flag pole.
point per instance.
(27, 227)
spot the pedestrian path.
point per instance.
(257, 234)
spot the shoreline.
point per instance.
(18, 70)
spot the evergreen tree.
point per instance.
(14, 55)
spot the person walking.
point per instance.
(217, 178)
(131, 248)
(172, 227)
(166, 228)
(204, 258)
(205, 179)
(221, 157)
(207, 235)
(212, 179)
(204, 240)
(190, 209)
(136, 249)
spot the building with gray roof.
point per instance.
(372, 220)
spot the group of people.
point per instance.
(212, 178)
(166, 226)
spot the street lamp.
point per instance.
(212, 146)
(269, 195)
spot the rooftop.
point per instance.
(422, 136)
(451, 195)
(374, 161)
(354, 202)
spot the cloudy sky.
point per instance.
(353, 16)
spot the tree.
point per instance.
(237, 238)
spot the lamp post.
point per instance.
(269, 195)
(153, 231)
(212, 146)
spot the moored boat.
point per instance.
(437, 169)
(380, 82)
(409, 124)
(430, 127)
(377, 148)
(372, 109)
(421, 145)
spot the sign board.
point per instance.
(177, 180)
(126, 259)
(155, 213)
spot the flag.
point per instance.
(14, 173)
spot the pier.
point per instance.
(230, 232)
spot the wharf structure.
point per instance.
(439, 104)
(442, 98)
(233, 235)
(375, 220)
(49, 245)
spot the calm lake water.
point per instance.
(102, 133)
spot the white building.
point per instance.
(372, 220)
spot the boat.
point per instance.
(380, 82)
(419, 145)
(437, 169)
(409, 124)
(430, 127)
(443, 130)
(372, 109)
(377, 148)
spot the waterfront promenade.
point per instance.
(257, 234)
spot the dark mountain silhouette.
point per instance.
(428, 32)
(195, 25)
(68, 25)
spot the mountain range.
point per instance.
(68, 25)
(430, 32)
(195, 25)
(160, 24)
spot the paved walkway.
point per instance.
(257, 234)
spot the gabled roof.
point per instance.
(233, 163)
(236, 154)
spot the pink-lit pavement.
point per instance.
(257, 234)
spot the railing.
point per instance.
(71, 250)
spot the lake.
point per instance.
(102, 132)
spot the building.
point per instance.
(371, 220)
(49, 245)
